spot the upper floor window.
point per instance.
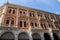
(50, 25)
(22, 23)
(57, 25)
(47, 17)
(12, 22)
(13, 11)
(40, 14)
(22, 11)
(32, 14)
(52, 16)
(43, 25)
(33, 24)
(9, 21)
(10, 10)
(58, 18)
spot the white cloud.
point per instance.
(58, 0)
(57, 13)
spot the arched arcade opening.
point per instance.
(46, 36)
(55, 36)
(7, 36)
(23, 36)
(36, 36)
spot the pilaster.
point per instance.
(3, 15)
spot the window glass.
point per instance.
(35, 24)
(12, 22)
(20, 11)
(20, 23)
(7, 21)
(13, 11)
(30, 14)
(9, 10)
(32, 24)
(24, 24)
(23, 12)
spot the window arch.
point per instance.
(9, 21)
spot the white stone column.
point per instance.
(3, 14)
(28, 21)
(42, 36)
(30, 36)
(27, 14)
(53, 25)
(17, 15)
(36, 14)
(52, 22)
(16, 36)
(51, 34)
(43, 15)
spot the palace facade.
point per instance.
(24, 23)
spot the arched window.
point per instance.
(22, 23)
(9, 22)
(10, 10)
(31, 14)
(13, 11)
(33, 24)
(50, 25)
(23, 12)
(20, 11)
(43, 25)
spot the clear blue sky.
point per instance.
(46, 5)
